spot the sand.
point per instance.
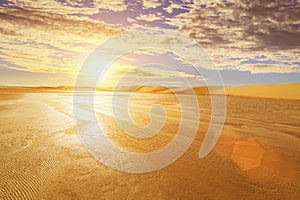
(280, 90)
(256, 157)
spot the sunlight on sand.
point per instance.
(256, 157)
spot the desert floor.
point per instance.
(42, 157)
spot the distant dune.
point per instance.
(279, 90)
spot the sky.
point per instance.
(45, 42)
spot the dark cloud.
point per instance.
(269, 24)
(244, 28)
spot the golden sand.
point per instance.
(256, 157)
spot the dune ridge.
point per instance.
(277, 91)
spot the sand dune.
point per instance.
(257, 156)
(280, 90)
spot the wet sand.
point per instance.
(256, 157)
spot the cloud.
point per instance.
(241, 27)
(115, 5)
(173, 6)
(269, 68)
(150, 17)
(148, 71)
(151, 3)
(44, 42)
(265, 64)
(70, 7)
(55, 36)
(139, 72)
